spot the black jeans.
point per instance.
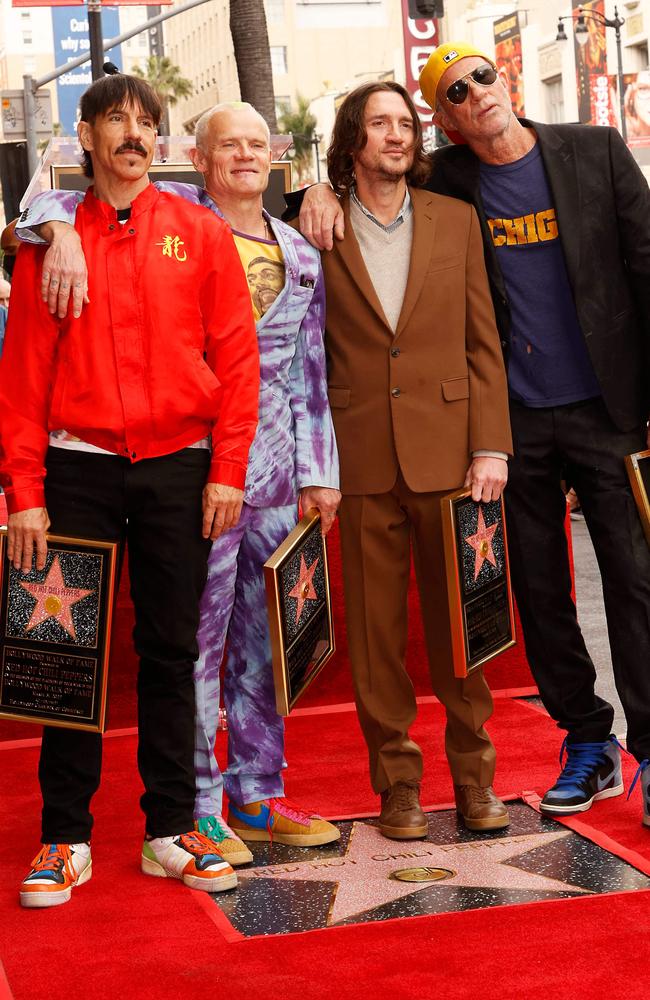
(579, 443)
(155, 507)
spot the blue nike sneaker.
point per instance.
(643, 772)
(592, 771)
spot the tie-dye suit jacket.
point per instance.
(294, 445)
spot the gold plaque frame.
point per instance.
(48, 657)
(638, 466)
(299, 651)
(490, 604)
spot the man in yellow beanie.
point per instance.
(565, 213)
(565, 217)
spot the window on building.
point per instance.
(282, 105)
(274, 11)
(278, 59)
(636, 58)
(554, 96)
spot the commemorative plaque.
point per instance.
(478, 580)
(300, 610)
(55, 628)
(638, 470)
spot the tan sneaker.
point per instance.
(280, 821)
(226, 841)
(56, 870)
(479, 808)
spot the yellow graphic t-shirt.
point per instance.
(264, 266)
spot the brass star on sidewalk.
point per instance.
(362, 873)
(54, 599)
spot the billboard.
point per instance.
(591, 65)
(421, 37)
(70, 30)
(507, 51)
(636, 105)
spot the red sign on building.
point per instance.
(82, 3)
(420, 40)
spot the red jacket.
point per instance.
(165, 354)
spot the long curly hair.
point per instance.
(349, 137)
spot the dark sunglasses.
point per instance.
(484, 75)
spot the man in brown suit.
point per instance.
(418, 395)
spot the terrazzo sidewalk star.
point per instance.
(362, 873)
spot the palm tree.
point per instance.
(302, 125)
(253, 57)
(166, 80)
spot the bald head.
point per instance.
(233, 152)
(5, 291)
(220, 115)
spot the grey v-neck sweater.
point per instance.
(387, 257)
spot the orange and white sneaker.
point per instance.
(56, 870)
(280, 821)
(190, 857)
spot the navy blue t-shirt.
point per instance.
(549, 364)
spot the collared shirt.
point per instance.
(165, 354)
(403, 213)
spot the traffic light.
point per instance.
(425, 10)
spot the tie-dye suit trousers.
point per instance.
(234, 617)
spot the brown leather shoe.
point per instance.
(479, 808)
(401, 815)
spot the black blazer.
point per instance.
(602, 201)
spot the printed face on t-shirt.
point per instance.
(265, 280)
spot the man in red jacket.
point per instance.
(131, 423)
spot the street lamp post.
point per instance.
(96, 39)
(582, 35)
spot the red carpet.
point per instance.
(129, 936)
(126, 935)
(585, 949)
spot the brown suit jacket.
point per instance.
(422, 400)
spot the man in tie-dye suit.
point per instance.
(292, 457)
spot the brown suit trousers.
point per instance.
(377, 532)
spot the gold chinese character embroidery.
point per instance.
(172, 247)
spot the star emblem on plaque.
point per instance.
(300, 610)
(304, 588)
(54, 599)
(55, 627)
(481, 543)
(481, 609)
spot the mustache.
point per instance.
(131, 145)
(392, 147)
